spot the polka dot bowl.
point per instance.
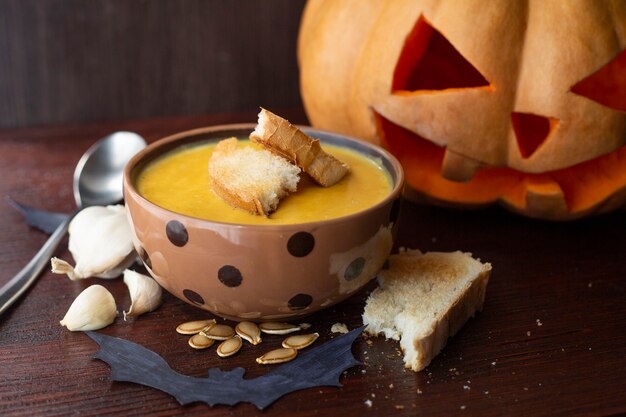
(261, 272)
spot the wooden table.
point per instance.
(550, 341)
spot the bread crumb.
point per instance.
(466, 387)
(339, 328)
(399, 407)
(462, 407)
(590, 284)
(390, 386)
(539, 323)
(305, 326)
(419, 391)
(528, 333)
(368, 403)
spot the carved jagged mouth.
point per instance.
(570, 191)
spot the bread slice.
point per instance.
(425, 298)
(251, 179)
(284, 139)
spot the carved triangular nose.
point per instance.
(531, 131)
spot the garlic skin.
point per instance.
(93, 309)
(101, 243)
(145, 293)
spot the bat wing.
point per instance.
(321, 366)
(46, 221)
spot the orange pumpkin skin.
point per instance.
(520, 102)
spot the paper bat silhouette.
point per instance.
(321, 366)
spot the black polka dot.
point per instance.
(395, 211)
(354, 269)
(194, 297)
(229, 276)
(301, 244)
(300, 301)
(176, 233)
(145, 258)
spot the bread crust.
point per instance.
(284, 139)
(230, 196)
(449, 323)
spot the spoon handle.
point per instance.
(13, 289)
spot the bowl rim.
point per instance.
(129, 187)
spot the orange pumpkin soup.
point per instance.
(179, 181)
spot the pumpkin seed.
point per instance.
(277, 356)
(218, 332)
(249, 331)
(229, 347)
(300, 341)
(193, 327)
(199, 341)
(272, 327)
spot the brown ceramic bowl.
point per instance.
(258, 272)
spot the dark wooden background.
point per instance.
(83, 61)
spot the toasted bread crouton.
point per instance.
(284, 139)
(423, 299)
(251, 179)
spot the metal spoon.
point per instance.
(97, 181)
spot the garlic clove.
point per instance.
(145, 293)
(100, 242)
(93, 309)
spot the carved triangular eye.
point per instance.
(430, 62)
(607, 85)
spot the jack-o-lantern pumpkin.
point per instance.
(517, 101)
